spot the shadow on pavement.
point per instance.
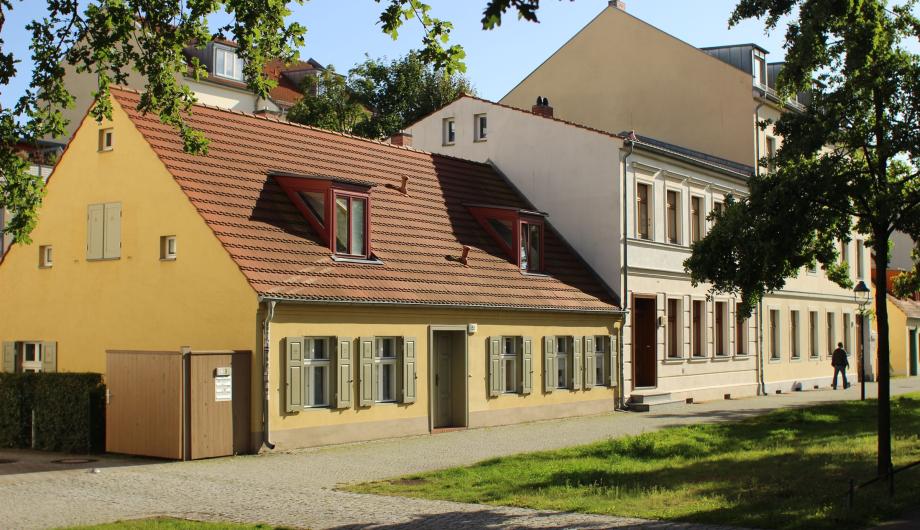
(503, 520)
(23, 461)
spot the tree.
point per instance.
(401, 92)
(849, 162)
(110, 38)
(328, 103)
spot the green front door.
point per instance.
(914, 368)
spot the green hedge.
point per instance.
(69, 411)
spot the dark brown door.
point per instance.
(859, 347)
(644, 368)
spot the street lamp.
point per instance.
(861, 296)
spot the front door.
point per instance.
(442, 379)
(859, 347)
(914, 362)
(644, 329)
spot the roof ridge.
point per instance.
(551, 118)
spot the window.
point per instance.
(385, 369)
(601, 353)
(794, 334)
(350, 225)
(316, 371)
(813, 334)
(672, 213)
(32, 355)
(564, 359)
(771, 154)
(674, 349)
(531, 247)
(450, 131)
(847, 324)
(45, 257)
(844, 252)
(481, 130)
(774, 335)
(860, 265)
(717, 208)
(741, 334)
(168, 248)
(697, 329)
(760, 71)
(643, 218)
(103, 234)
(105, 139)
(696, 218)
(721, 330)
(831, 333)
(227, 64)
(510, 351)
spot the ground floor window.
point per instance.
(741, 334)
(316, 371)
(774, 335)
(565, 347)
(674, 349)
(601, 352)
(847, 324)
(31, 357)
(813, 334)
(721, 329)
(831, 333)
(511, 349)
(794, 334)
(696, 331)
(385, 369)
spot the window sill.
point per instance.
(774, 361)
(741, 357)
(359, 261)
(722, 358)
(102, 259)
(448, 144)
(698, 360)
(795, 359)
(168, 259)
(105, 150)
(535, 274)
(45, 266)
(480, 140)
(674, 360)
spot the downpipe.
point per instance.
(266, 346)
(622, 405)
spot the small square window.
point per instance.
(45, 256)
(450, 131)
(168, 247)
(105, 139)
(481, 129)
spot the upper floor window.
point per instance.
(337, 209)
(45, 256)
(450, 131)
(106, 139)
(673, 225)
(717, 208)
(771, 153)
(643, 211)
(519, 233)
(860, 261)
(480, 121)
(760, 71)
(531, 246)
(227, 64)
(696, 219)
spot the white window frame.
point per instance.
(564, 356)
(236, 74)
(759, 70)
(511, 357)
(45, 257)
(35, 365)
(311, 364)
(601, 354)
(106, 139)
(678, 324)
(449, 131)
(480, 127)
(380, 361)
(168, 248)
(651, 209)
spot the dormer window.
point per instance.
(227, 64)
(481, 130)
(449, 131)
(759, 69)
(518, 232)
(338, 210)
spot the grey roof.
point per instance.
(910, 308)
(723, 164)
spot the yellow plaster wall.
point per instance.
(897, 337)
(308, 320)
(137, 302)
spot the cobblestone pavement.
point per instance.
(297, 488)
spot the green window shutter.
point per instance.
(49, 356)
(578, 364)
(590, 363)
(366, 381)
(549, 363)
(9, 357)
(527, 366)
(612, 356)
(293, 365)
(344, 390)
(95, 232)
(112, 246)
(495, 366)
(409, 363)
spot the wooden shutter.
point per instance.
(9, 357)
(49, 356)
(590, 363)
(366, 381)
(294, 370)
(345, 387)
(495, 366)
(612, 371)
(578, 364)
(409, 363)
(112, 246)
(95, 231)
(549, 363)
(527, 366)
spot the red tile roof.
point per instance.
(282, 257)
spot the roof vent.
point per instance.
(542, 108)
(463, 258)
(402, 138)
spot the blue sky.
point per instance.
(341, 32)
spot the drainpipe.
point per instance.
(266, 346)
(763, 384)
(628, 141)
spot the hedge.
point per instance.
(69, 411)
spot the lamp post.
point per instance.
(861, 295)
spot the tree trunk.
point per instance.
(884, 387)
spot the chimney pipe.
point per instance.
(402, 138)
(542, 108)
(465, 255)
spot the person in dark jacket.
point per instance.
(840, 363)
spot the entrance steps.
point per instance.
(650, 400)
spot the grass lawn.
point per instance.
(788, 469)
(166, 523)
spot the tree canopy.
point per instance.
(328, 103)
(112, 38)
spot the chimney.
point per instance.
(542, 108)
(619, 4)
(402, 138)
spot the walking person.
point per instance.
(840, 363)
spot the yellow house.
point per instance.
(384, 291)
(904, 333)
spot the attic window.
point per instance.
(338, 210)
(105, 139)
(227, 64)
(518, 232)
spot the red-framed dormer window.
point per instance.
(338, 210)
(518, 232)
